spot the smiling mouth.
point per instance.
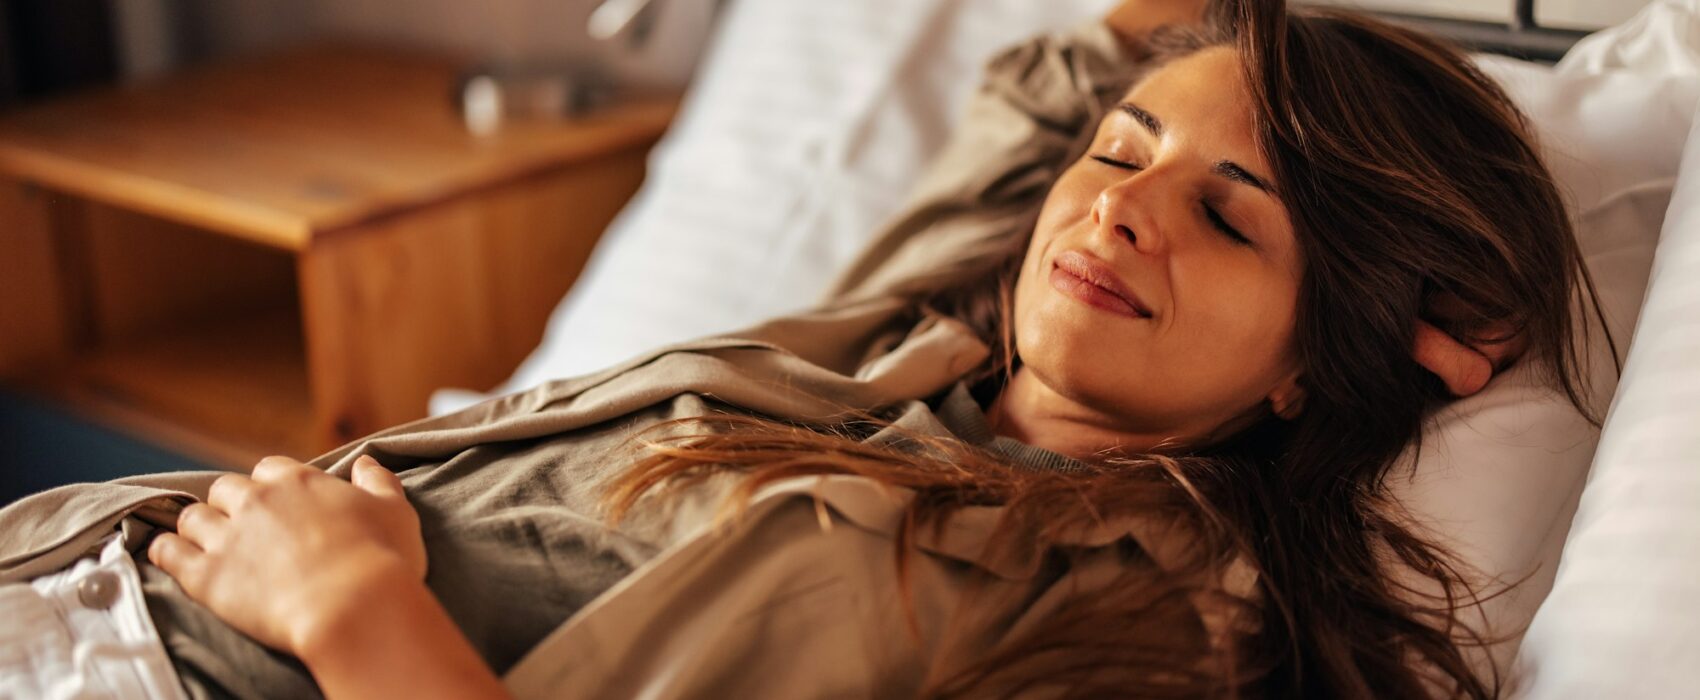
(1065, 279)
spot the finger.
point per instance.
(277, 468)
(203, 525)
(374, 479)
(230, 492)
(180, 558)
(1506, 346)
(1464, 370)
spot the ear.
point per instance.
(1287, 399)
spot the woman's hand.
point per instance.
(1466, 369)
(287, 554)
(330, 572)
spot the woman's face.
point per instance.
(1174, 204)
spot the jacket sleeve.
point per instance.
(48, 531)
(1031, 117)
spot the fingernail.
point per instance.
(367, 461)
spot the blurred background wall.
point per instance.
(134, 39)
(1558, 14)
(155, 35)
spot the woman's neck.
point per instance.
(1032, 412)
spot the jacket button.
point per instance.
(98, 590)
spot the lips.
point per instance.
(1092, 281)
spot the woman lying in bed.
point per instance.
(1128, 438)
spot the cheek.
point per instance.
(1250, 322)
(1067, 206)
(1068, 203)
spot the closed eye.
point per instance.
(1106, 160)
(1215, 217)
(1221, 224)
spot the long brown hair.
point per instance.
(1409, 177)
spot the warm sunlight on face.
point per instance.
(1162, 279)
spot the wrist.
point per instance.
(356, 601)
(392, 638)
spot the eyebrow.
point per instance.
(1151, 122)
(1225, 168)
(1233, 171)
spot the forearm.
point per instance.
(396, 640)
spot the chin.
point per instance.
(1063, 326)
(1085, 367)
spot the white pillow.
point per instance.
(810, 120)
(800, 136)
(1501, 472)
(1621, 620)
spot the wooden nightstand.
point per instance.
(282, 254)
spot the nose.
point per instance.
(1126, 211)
